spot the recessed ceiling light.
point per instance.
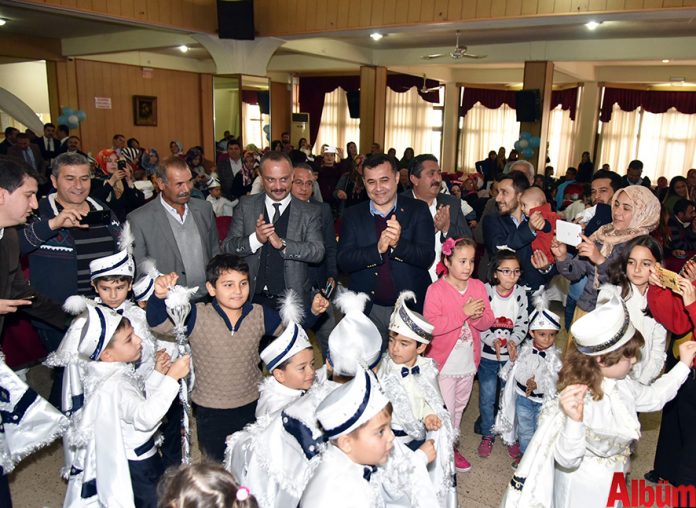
(375, 36)
(592, 25)
(666, 60)
(3, 22)
(183, 48)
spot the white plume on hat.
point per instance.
(607, 327)
(120, 263)
(293, 339)
(145, 286)
(355, 340)
(126, 240)
(409, 323)
(542, 318)
(98, 329)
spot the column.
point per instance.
(373, 102)
(539, 75)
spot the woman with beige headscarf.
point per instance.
(635, 212)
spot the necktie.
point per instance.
(29, 157)
(367, 472)
(405, 371)
(50, 144)
(119, 311)
(540, 353)
(276, 213)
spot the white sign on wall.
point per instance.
(102, 102)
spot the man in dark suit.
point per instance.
(273, 229)
(63, 134)
(228, 168)
(326, 272)
(634, 175)
(176, 231)
(9, 141)
(18, 188)
(29, 153)
(48, 145)
(513, 229)
(387, 243)
(446, 211)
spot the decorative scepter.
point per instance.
(178, 307)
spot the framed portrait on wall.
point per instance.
(145, 110)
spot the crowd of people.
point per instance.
(411, 282)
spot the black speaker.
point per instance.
(528, 105)
(353, 98)
(264, 102)
(236, 19)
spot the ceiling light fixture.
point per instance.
(3, 22)
(592, 25)
(375, 36)
(666, 60)
(183, 48)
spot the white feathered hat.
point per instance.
(606, 328)
(120, 263)
(409, 323)
(100, 323)
(355, 340)
(145, 286)
(293, 339)
(542, 318)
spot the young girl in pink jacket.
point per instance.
(458, 307)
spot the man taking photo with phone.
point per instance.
(60, 244)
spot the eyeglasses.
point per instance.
(300, 183)
(507, 271)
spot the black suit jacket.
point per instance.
(47, 154)
(13, 285)
(410, 260)
(458, 226)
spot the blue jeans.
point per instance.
(526, 414)
(488, 384)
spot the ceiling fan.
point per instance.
(425, 89)
(457, 53)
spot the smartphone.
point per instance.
(327, 292)
(96, 218)
(122, 165)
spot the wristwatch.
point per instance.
(285, 244)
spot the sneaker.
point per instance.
(514, 450)
(652, 476)
(486, 447)
(460, 463)
(516, 462)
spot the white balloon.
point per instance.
(523, 143)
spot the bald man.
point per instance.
(542, 220)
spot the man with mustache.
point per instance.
(426, 181)
(273, 229)
(177, 232)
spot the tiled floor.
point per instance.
(36, 482)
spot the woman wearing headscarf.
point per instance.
(113, 184)
(635, 212)
(149, 161)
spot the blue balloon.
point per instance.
(62, 120)
(527, 152)
(517, 145)
(525, 135)
(81, 115)
(68, 111)
(534, 142)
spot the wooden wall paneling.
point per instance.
(52, 79)
(322, 12)
(413, 11)
(545, 7)
(82, 4)
(312, 15)
(529, 7)
(652, 4)
(469, 9)
(207, 122)
(164, 13)
(497, 8)
(615, 5)
(513, 7)
(673, 3)
(561, 6)
(377, 14)
(579, 5)
(101, 6)
(427, 11)
(331, 15)
(440, 10)
(128, 8)
(483, 9)
(454, 10)
(398, 13)
(353, 18)
(301, 15)
(633, 4)
(69, 4)
(280, 109)
(365, 13)
(600, 5)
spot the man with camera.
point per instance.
(70, 230)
